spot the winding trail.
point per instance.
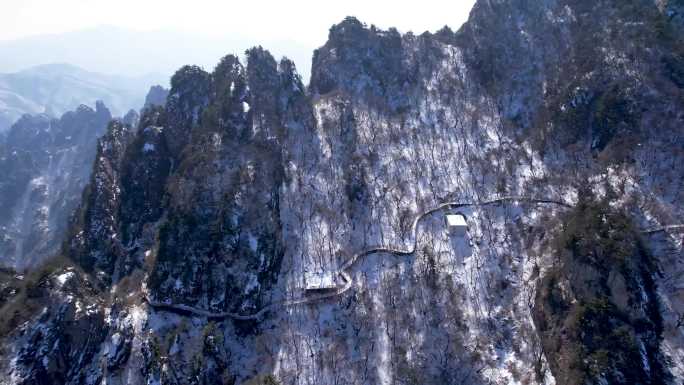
(342, 272)
(663, 229)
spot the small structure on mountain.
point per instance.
(457, 224)
(320, 282)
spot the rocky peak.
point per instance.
(47, 164)
(156, 96)
(189, 95)
(271, 87)
(362, 61)
(290, 78)
(147, 178)
(229, 78)
(94, 239)
(77, 124)
(30, 131)
(293, 100)
(210, 224)
(144, 174)
(230, 96)
(131, 119)
(101, 108)
(263, 81)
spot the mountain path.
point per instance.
(342, 271)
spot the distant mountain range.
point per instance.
(57, 88)
(114, 50)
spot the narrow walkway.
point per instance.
(663, 228)
(185, 309)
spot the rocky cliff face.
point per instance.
(553, 126)
(156, 96)
(44, 165)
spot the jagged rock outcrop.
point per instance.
(189, 95)
(131, 119)
(94, 241)
(44, 165)
(156, 96)
(246, 188)
(220, 246)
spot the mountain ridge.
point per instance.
(246, 185)
(58, 88)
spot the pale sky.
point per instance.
(135, 37)
(303, 21)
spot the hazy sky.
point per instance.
(135, 37)
(301, 21)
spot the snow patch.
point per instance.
(253, 242)
(252, 284)
(64, 277)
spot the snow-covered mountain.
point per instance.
(255, 231)
(57, 88)
(44, 165)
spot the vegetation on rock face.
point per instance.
(364, 63)
(69, 332)
(243, 168)
(268, 379)
(90, 242)
(146, 168)
(614, 54)
(44, 164)
(612, 111)
(213, 242)
(596, 309)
